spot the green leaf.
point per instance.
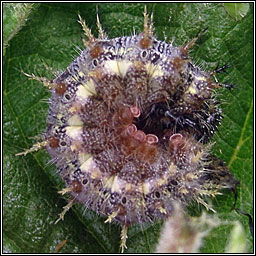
(237, 240)
(49, 38)
(15, 16)
(237, 11)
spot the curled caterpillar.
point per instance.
(128, 128)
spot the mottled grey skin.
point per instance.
(128, 178)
